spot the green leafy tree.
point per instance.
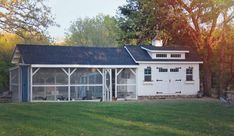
(142, 20)
(3, 75)
(7, 45)
(98, 31)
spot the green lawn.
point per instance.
(158, 117)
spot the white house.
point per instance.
(75, 73)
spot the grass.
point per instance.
(159, 117)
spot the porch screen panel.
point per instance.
(49, 84)
(50, 93)
(126, 83)
(50, 76)
(14, 84)
(86, 92)
(86, 84)
(126, 91)
(86, 76)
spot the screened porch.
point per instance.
(77, 84)
(14, 80)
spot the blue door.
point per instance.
(24, 76)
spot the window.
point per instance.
(162, 70)
(161, 55)
(147, 73)
(175, 55)
(174, 70)
(189, 74)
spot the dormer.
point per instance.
(165, 53)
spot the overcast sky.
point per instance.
(66, 11)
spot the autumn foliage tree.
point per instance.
(193, 22)
(20, 16)
(204, 19)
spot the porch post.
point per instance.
(103, 85)
(19, 84)
(69, 77)
(10, 83)
(31, 78)
(116, 95)
(136, 76)
(110, 89)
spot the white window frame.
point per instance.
(189, 73)
(175, 55)
(148, 74)
(161, 55)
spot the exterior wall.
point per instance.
(19, 83)
(168, 83)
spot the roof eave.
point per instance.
(160, 51)
(168, 62)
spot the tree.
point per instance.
(7, 45)
(98, 31)
(225, 54)
(142, 20)
(25, 21)
(204, 20)
(3, 75)
(20, 16)
(195, 20)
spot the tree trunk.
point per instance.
(221, 72)
(207, 69)
(231, 66)
(207, 77)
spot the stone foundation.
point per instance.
(165, 97)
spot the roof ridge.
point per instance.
(72, 46)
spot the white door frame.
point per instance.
(107, 85)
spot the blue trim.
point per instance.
(24, 81)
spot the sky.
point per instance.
(66, 11)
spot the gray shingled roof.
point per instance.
(141, 55)
(44, 54)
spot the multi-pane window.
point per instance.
(162, 69)
(161, 55)
(189, 74)
(174, 70)
(147, 72)
(175, 55)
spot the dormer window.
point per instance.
(161, 55)
(175, 55)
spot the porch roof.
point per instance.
(45, 54)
